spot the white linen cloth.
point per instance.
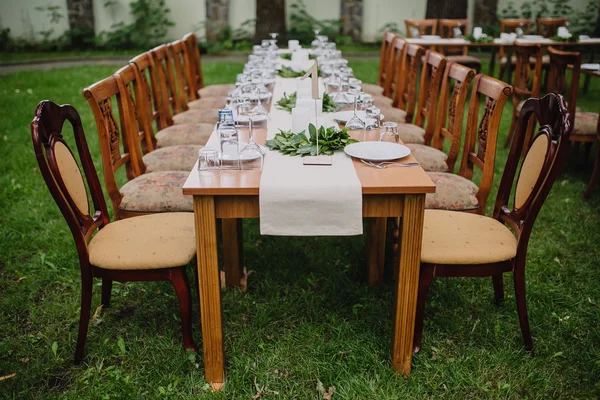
(306, 200)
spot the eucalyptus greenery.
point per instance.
(297, 144)
(485, 39)
(288, 72)
(289, 102)
(288, 56)
(571, 39)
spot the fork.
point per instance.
(385, 164)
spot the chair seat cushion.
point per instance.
(393, 114)
(452, 192)
(208, 102)
(374, 90)
(410, 133)
(184, 134)
(513, 60)
(383, 101)
(464, 59)
(216, 90)
(172, 158)
(146, 242)
(586, 123)
(461, 238)
(431, 159)
(156, 192)
(196, 116)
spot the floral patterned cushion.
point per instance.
(430, 159)
(208, 102)
(410, 133)
(215, 90)
(393, 114)
(374, 90)
(173, 158)
(156, 192)
(184, 134)
(195, 116)
(585, 123)
(452, 192)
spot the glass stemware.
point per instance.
(373, 118)
(251, 154)
(355, 123)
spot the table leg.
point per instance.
(233, 251)
(407, 284)
(376, 250)
(210, 290)
(492, 62)
(508, 67)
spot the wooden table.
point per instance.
(233, 195)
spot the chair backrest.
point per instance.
(195, 63)
(116, 145)
(539, 169)
(432, 72)
(425, 26)
(163, 62)
(527, 79)
(386, 50)
(395, 68)
(405, 97)
(451, 109)
(63, 176)
(183, 73)
(557, 78)
(509, 25)
(447, 31)
(481, 136)
(549, 26)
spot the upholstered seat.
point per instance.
(216, 90)
(452, 192)
(172, 158)
(393, 114)
(208, 102)
(513, 59)
(585, 123)
(195, 116)
(130, 244)
(156, 192)
(461, 238)
(411, 133)
(184, 134)
(374, 90)
(383, 101)
(431, 159)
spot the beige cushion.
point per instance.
(184, 134)
(145, 242)
(513, 60)
(462, 238)
(452, 192)
(410, 133)
(196, 116)
(464, 59)
(383, 101)
(215, 90)
(586, 123)
(393, 114)
(430, 159)
(173, 158)
(208, 102)
(71, 176)
(531, 169)
(156, 192)
(374, 90)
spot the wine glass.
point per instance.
(373, 120)
(355, 123)
(251, 154)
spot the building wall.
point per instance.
(26, 22)
(376, 14)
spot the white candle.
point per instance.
(477, 32)
(293, 44)
(301, 119)
(299, 60)
(310, 103)
(303, 89)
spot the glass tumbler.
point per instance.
(389, 132)
(209, 160)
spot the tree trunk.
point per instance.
(352, 16)
(81, 22)
(485, 12)
(446, 9)
(217, 17)
(270, 18)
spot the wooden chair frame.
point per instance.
(432, 72)
(548, 27)
(195, 62)
(395, 67)
(386, 52)
(447, 31)
(509, 25)
(405, 97)
(422, 24)
(186, 88)
(46, 132)
(163, 62)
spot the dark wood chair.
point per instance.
(385, 72)
(548, 27)
(459, 192)
(467, 245)
(457, 54)
(509, 26)
(425, 26)
(116, 251)
(448, 122)
(596, 171)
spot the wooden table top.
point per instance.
(498, 42)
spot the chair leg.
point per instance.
(498, 282)
(106, 292)
(84, 317)
(595, 175)
(511, 131)
(519, 276)
(182, 288)
(425, 278)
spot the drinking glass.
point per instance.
(373, 120)
(389, 132)
(366, 100)
(355, 123)
(251, 155)
(209, 160)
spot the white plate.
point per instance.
(344, 116)
(240, 147)
(377, 151)
(532, 37)
(591, 67)
(430, 37)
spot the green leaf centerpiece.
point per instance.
(288, 56)
(571, 39)
(297, 144)
(483, 39)
(288, 72)
(289, 102)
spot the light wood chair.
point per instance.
(527, 82)
(448, 122)
(458, 192)
(467, 245)
(143, 193)
(396, 57)
(385, 72)
(548, 27)
(111, 251)
(457, 54)
(425, 26)
(509, 25)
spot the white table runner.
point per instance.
(299, 200)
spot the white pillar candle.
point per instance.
(301, 119)
(293, 44)
(303, 88)
(477, 32)
(299, 60)
(310, 103)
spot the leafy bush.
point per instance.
(228, 39)
(303, 25)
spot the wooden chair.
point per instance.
(457, 54)
(101, 244)
(143, 193)
(527, 82)
(396, 57)
(509, 26)
(448, 123)
(596, 171)
(466, 245)
(171, 158)
(459, 192)
(548, 27)
(425, 26)
(167, 133)
(583, 125)
(385, 72)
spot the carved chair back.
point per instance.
(432, 72)
(557, 78)
(384, 56)
(148, 78)
(481, 135)
(183, 74)
(405, 97)
(195, 63)
(163, 62)
(63, 177)
(447, 31)
(451, 109)
(549, 26)
(425, 26)
(396, 61)
(510, 25)
(527, 79)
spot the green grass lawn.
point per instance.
(308, 316)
